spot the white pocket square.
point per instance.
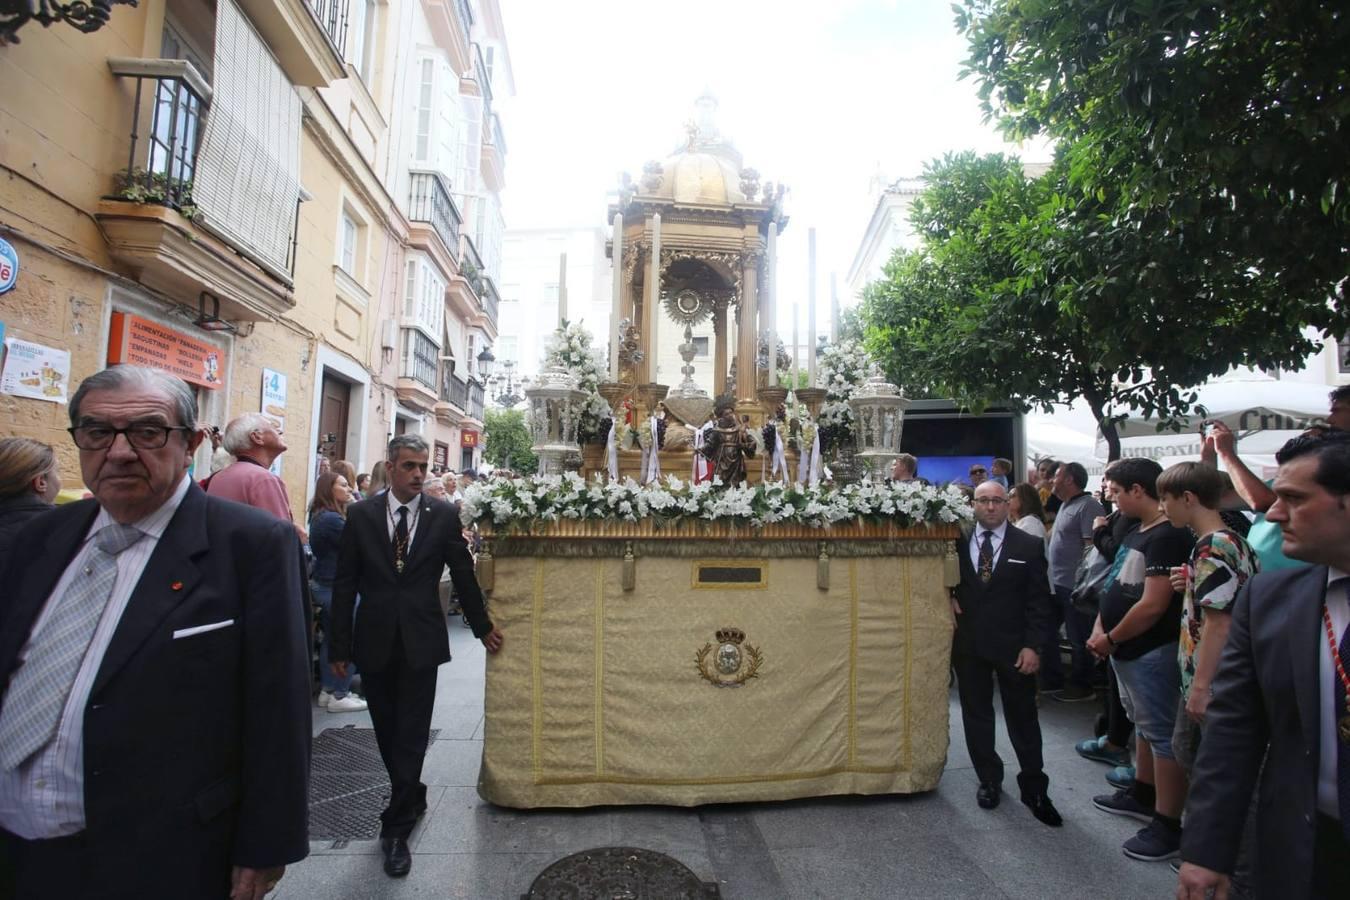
(201, 629)
(1018, 562)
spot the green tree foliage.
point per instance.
(1215, 136)
(1021, 291)
(508, 441)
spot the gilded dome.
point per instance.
(706, 171)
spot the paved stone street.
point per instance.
(937, 845)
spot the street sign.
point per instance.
(9, 266)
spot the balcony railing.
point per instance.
(454, 391)
(491, 299)
(465, 14)
(484, 83)
(475, 400)
(429, 201)
(332, 16)
(420, 358)
(161, 169)
(494, 135)
(471, 265)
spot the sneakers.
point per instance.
(1121, 777)
(325, 698)
(1123, 803)
(1155, 842)
(349, 703)
(1096, 750)
(1074, 693)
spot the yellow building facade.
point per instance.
(222, 189)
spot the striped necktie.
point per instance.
(38, 691)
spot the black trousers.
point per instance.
(401, 699)
(975, 686)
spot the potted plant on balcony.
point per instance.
(139, 186)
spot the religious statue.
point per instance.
(729, 444)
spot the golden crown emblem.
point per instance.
(730, 635)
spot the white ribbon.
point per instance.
(651, 465)
(612, 451)
(808, 466)
(780, 463)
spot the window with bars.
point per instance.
(420, 358)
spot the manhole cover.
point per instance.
(348, 787)
(619, 873)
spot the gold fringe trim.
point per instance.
(581, 548)
(652, 529)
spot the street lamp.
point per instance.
(485, 364)
(506, 385)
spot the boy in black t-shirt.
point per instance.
(1138, 628)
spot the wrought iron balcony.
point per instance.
(491, 299)
(471, 266)
(420, 358)
(476, 400)
(494, 135)
(484, 82)
(332, 15)
(160, 169)
(429, 201)
(454, 391)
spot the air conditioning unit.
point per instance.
(389, 339)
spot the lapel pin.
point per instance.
(176, 586)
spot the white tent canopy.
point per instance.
(1251, 404)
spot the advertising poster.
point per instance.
(141, 342)
(35, 371)
(274, 405)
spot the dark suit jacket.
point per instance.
(1265, 707)
(1012, 611)
(15, 513)
(400, 608)
(196, 750)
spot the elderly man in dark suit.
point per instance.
(1280, 697)
(393, 551)
(154, 683)
(1002, 608)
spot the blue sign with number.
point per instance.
(9, 266)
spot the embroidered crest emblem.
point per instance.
(730, 662)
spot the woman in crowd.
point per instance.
(379, 480)
(327, 518)
(348, 471)
(1025, 510)
(29, 484)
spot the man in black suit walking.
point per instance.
(1002, 608)
(393, 551)
(154, 673)
(1279, 702)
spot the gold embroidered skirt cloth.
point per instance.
(709, 665)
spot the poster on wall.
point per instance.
(274, 405)
(9, 266)
(35, 371)
(142, 342)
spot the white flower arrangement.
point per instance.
(514, 504)
(843, 369)
(570, 347)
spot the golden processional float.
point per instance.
(683, 643)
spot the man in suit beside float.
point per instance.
(393, 551)
(1002, 608)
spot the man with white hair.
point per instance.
(255, 441)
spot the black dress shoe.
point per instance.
(397, 857)
(1042, 808)
(988, 795)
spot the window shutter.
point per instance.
(247, 182)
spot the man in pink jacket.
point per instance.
(255, 441)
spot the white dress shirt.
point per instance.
(1328, 803)
(44, 797)
(977, 538)
(414, 508)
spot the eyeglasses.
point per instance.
(140, 436)
(991, 501)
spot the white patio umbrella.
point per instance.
(1248, 405)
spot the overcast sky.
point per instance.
(814, 94)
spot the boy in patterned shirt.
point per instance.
(1220, 564)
